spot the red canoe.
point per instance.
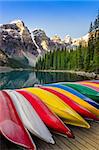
(96, 82)
(79, 109)
(10, 124)
(48, 117)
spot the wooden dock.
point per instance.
(85, 139)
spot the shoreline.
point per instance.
(81, 73)
(5, 69)
(9, 69)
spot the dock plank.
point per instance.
(85, 139)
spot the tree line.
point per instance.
(82, 59)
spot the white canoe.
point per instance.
(29, 117)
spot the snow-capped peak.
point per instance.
(68, 39)
(20, 25)
(16, 21)
(85, 37)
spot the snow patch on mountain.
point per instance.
(31, 58)
(38, 49)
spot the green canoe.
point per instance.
(84, 90)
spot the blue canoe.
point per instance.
(69, 89)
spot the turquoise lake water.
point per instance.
(20, 79)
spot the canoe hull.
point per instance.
(73, 91)
(79, 109)
(59, 107)
(30, 118)
(85, 90)
(10, 124)
(48, 117)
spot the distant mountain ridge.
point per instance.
(17, 43)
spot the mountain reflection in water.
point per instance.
(20, 79)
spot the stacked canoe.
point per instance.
(47, 108)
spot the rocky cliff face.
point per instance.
(45, 43)
(42, 40)
(16, 42)
(3, 58)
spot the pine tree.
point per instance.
(91, 27)
(96, 55)
(54, 60)
(58, 59)
(62, 59)
(98, 19)
(95, 24)
(80, 57)
(65, 59)
(87, 59)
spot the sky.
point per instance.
(53, 16)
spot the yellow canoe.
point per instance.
(78, 100)
(59, 107)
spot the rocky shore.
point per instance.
(81, 73)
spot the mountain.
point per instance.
(83, 40)
(73, 43)
(16, 42)
(68, 39)
(45, 43)
(20, 48)
(56, 39)
(41, 40)
(3, 58)
(70, 43)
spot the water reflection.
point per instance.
(19, 79)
